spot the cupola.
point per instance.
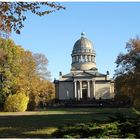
(83, 54)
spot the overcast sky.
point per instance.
(109, 25)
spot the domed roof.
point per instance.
(83, 43)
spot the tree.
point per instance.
(128, 70)
(41, 66)
(22, 71)
(42, 92)
(8, 63)
(16, 68)
(129, 62)
(12, 14)
(2, 56)
(16, 103)
(46, 90)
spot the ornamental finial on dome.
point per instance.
(83, 34)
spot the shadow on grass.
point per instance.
(22, 133)
(42, 126)
(33, 126)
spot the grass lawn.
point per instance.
(41, 124)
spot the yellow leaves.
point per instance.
(14, 69)
(20, 73)
(16, 103)
(2, 56)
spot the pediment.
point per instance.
(83, 74)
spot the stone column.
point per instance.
(81, 89)
(85, 58)
(77, 58)
(88, 89)
(94, 88)
(75, 89)
(78, 94)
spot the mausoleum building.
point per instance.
(84, 81)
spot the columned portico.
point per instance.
(88, 89)
(93, 82)
(82, 89)
(75, 89)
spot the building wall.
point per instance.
(83, 66)
(102, 89)
(100, 78)
(57, 91)
(66, 90)
(112, 89)
(91, 90)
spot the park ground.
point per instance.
(42, 124)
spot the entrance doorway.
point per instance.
(84, 92)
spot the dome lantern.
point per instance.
(83, 34)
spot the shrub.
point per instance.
(121, 128)
(16, 103)
(119, 117)
(92, 130)
(33, 102)
(123, 99)
(136, 103)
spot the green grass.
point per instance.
(41, 124)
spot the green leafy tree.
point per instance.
(15, 68)
(13, 14)
(7, 65)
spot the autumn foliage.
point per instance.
(21, 72)
(128, 72)
(16, 103)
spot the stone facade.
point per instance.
(84, 81)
